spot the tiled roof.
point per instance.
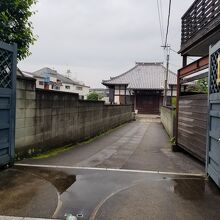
(53, 73)
(23, 74)
(49, 72)
(144, 76)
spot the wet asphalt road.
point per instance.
(22, 193)
(120, 193)
(137, 145)
(103, 195)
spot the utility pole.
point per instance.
(68, 73)
(167, 48)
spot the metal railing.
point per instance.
(198, 16)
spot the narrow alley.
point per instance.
(139, 145)
(128, 173)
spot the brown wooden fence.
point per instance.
(192, 124)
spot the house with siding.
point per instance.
(49, 79)
(142, 86)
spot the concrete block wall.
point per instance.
(47, 119)
(168, 119)
(25, 111)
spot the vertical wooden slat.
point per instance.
(192, 124)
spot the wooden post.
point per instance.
(135, 101)
(171, 94)
(184, 60)
(171, 91)
(125, 96)
(177, 106)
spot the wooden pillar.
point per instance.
(125, 96)
(184, 60)
(135, 101)
(111, 95)
(177, 105)
(171, 98)
(171, 91)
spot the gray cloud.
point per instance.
(97, 39)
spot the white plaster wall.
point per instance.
(73, 88)
(169, 93)
(117, 101)
(38, 86)
(84, 92)
(63, 88)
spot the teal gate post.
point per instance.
(213, 139)
(8, 69)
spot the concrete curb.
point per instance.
(22, 218)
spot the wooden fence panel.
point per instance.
(192, 124)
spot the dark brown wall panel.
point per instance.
(192, 124)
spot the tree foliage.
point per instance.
(200, 86)
(94, 96)
(15, 26)
(173, 101)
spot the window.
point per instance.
(56, 87)
(67, 87)
(41, 83)
(79, 88)
(120, 90)
(117, 90)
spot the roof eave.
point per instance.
(112, 84)
(146, 89)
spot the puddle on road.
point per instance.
(32, 192)
(22, 194)
(189, 189)
(191, 199)
(61, 180)
(11, 186)
(194, 189)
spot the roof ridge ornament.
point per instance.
(149, 63)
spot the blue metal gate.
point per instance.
(8, 68)
(213, 140)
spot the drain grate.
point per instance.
(79, 215)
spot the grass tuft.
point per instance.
(53, 152)
(56, 151)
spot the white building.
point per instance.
(49, 79)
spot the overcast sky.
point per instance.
(97, 39)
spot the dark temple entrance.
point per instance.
(148, 102)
